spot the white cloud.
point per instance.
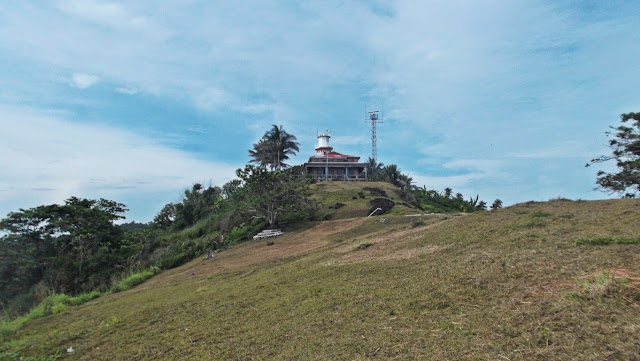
(456, 182)
(213, 99)
(511, 83)
(127, 90)
(64, 158)
(563, 149)
(83, 81)
(102, 12)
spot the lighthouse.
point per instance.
(323, 146)
(329, 165)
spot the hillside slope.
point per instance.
(338, 200)
(521, 283)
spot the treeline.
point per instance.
(428, 199)
(77, 248)
(445, 201)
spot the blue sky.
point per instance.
(134, 101)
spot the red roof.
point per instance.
(337, 155)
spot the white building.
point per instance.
(329, 165)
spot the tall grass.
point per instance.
(59, 302)
(134, 280)
(51, 305)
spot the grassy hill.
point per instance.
(555, 280)
(338, 200)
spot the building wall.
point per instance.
(337, 172)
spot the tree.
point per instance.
(262, 153)
(270, 195)
(391, 174)
(71, 247)
(196, 204)
(404, 181)
(373, 169)
(230, 188)
(625, 147)
(473, 203)
(274, 148)
(497, 204)
(164, 219)
(448, 192)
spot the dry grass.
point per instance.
(495, 285)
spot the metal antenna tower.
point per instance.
(372, 117)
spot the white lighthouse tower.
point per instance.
(323, 146)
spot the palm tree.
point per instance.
(373, 168)
(274, 148)
(497, 204)
(262, 153)
(448, 192)
(404, 181)
(283, 143)
(391, 174)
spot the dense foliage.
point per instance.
(270, 195)
(625, 148)
(392, 174)
(77, 248)
(439, 202)
(373, 169)
(69, 248)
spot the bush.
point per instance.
(237, 234)
(602, 286)
(540, 214)
(51, 305)
(134, 280)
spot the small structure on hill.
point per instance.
(268, 233)
(329, 165)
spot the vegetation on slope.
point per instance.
(518, 283)
(625, 151)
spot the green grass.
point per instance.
(134, 280)
(57, 303)
(51, 305)
(604, 285)
(356, 199)
(472, 287)
(601, 241)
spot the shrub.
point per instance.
(534, 223)
(51, 305)
(363, 245)
(539, 214)
(237, 233)
(134, 280)
(604, 285)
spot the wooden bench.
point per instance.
(268, 233)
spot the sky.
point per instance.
(136, 100)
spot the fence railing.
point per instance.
(330, 177)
